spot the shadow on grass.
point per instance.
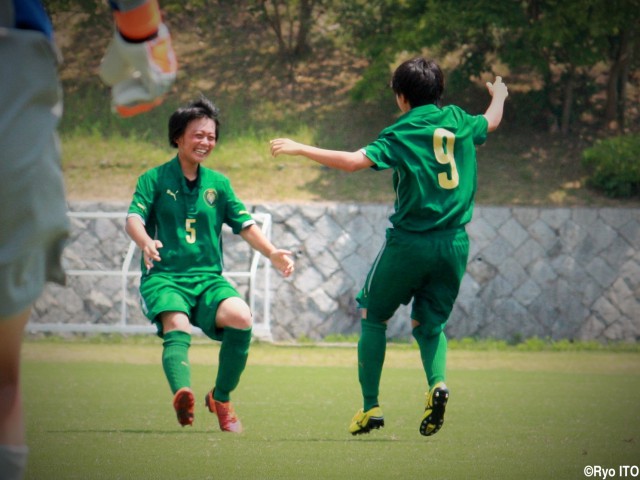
(249, 438)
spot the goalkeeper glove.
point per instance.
(140, 64)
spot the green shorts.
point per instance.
(425, 267)
(197, 296)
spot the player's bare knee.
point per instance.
(234, 313)
(175, 321)
(241, 320)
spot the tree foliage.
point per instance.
(578, 58)
(559, 42)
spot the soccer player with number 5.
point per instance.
(431, 150)
(176, 218)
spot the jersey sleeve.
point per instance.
(378, 152)
(236, 214)
(142, 201)
(478, 124)
(480, 129)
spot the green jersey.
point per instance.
(188, 221)
(432, 153)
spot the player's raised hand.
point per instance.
(282, 260)
(498, 88)
(284, 146)
(140, 63)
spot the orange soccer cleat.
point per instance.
(227, 418)
(184, 403)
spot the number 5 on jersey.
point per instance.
(191, 230)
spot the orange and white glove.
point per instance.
(140, 64)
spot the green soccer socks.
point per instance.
(175, 359)
(371, 351)
(232, 360)
(433, 351)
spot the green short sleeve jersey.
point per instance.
(187, 221)
(432, 153)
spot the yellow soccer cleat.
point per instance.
(435, 403)
(363, 422)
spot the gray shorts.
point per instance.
(33, 211)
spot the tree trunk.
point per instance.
(624, 77)
(305, 13)
(291, 30)
(614, 114)
(275, 22)
(567, 101)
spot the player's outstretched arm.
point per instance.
(282, 260)
(347, 161)
(499, 93)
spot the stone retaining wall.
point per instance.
(551, 273)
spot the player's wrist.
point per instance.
(150, 245)
(271, 253)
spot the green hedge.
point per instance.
(614, 166)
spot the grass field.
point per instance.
(103, 410)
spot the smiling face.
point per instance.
(196, 143)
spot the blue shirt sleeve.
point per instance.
(31, 15)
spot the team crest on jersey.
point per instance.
(210, 196)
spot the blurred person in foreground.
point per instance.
(140, 67)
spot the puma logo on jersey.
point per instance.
(174, 195)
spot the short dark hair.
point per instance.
(200, 108)
(420, 81)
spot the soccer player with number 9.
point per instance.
(431, 150)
